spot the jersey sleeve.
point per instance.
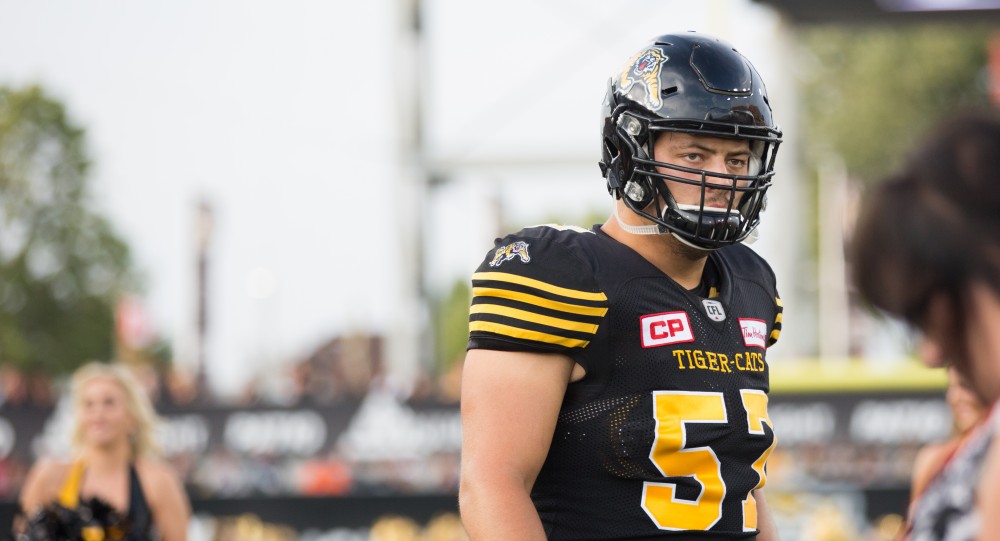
(778, 306)
(534, 294)
(776, 327)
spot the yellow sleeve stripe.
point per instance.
(525, 334)
(538, 284)
(777, 301)
(524, 315)
(778, 318)
(539, 301)
(775, 333)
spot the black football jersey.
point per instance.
(667, 434)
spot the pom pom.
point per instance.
(93, 520)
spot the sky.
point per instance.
(291, 119)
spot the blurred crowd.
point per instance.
(247, 527)
(345, 370)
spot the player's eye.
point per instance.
(737, 163)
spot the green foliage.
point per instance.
(451, 324)
(61, 265)
(873, 89)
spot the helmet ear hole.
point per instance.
(610, 148)
(612, 168)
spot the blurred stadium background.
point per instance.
(270, 211)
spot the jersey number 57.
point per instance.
(674, 410)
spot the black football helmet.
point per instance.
(697, 84)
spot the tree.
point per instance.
(873, 89)
(451, 325)
(61, 264)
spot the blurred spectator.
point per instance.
(114, 461)
(395, 528)
(250, 528)
(445, 527)
(343, 366)
(42, 390)
(12, 474)
(220, 474)
(886, 528)
(929, 252)
(13, 387)
(328, 476)
(181, 385)
(829, 523)
(968, 412)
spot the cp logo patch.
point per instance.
(665, 329)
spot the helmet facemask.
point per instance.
(698, 224)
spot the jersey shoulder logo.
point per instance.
(714, 310)
(754, 332)
(512, 250)
(665, 329)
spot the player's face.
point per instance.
(104, 413)
(712, 154)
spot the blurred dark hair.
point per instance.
(933, 228)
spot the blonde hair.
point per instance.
(137, 404)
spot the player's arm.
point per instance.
(765, 523)
(510, 402)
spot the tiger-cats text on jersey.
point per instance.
(667, 434)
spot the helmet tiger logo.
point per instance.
(645, 68)
(512, 250)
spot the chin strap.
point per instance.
(651, 229)
(690, 244)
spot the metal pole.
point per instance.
(408, 338)
(203, 231)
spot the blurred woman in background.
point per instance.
(967, 413)
(113, 470)
(927, 249)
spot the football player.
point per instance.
(616, 380)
